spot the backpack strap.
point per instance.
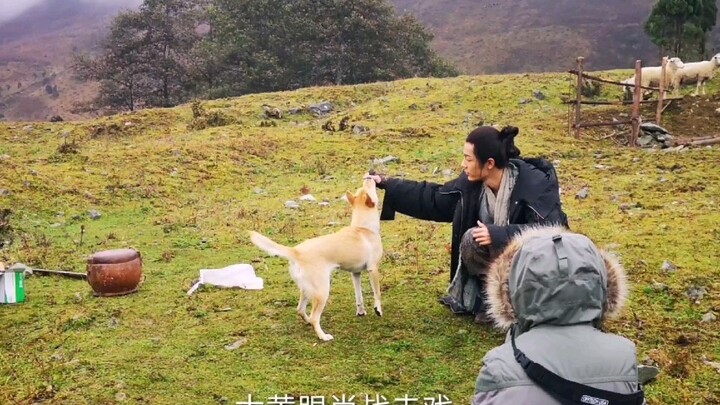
(561, 253)
(569, 392)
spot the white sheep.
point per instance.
(699, 72)
(651, 75)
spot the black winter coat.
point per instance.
(535, 199)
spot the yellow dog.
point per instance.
(355, 248)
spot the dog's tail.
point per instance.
(271, 247)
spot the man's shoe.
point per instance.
(455, 306)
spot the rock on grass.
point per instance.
(237, 344)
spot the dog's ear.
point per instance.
(350, 197)
(372, 197)
(369, 201)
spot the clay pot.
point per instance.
(114, 272)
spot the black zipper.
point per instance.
(535, 211)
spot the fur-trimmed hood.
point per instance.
(548, 275)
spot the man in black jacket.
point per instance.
(495, 198)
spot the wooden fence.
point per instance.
(637, 100)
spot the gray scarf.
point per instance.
(494, 209)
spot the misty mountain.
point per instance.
(41, 17)
(37, 38)
(503, 36)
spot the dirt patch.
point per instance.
(686, 118)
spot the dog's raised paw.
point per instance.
(378, 311)
(327, 337)
(362, 313)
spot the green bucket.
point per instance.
(12, 286)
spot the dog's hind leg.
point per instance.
(359, 304)
(375, 284)
(302, 306)
(318, 305)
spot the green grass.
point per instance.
(185, 199)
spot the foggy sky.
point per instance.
(10, 9)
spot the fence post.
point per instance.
(661, 94)
(637, 96)
(578, 101)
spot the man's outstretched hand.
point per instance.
(378, 178)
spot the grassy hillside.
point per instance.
(185, 198)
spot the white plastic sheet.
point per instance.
(235, 276)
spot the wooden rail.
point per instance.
(635, 118)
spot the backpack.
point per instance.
(548, 168)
